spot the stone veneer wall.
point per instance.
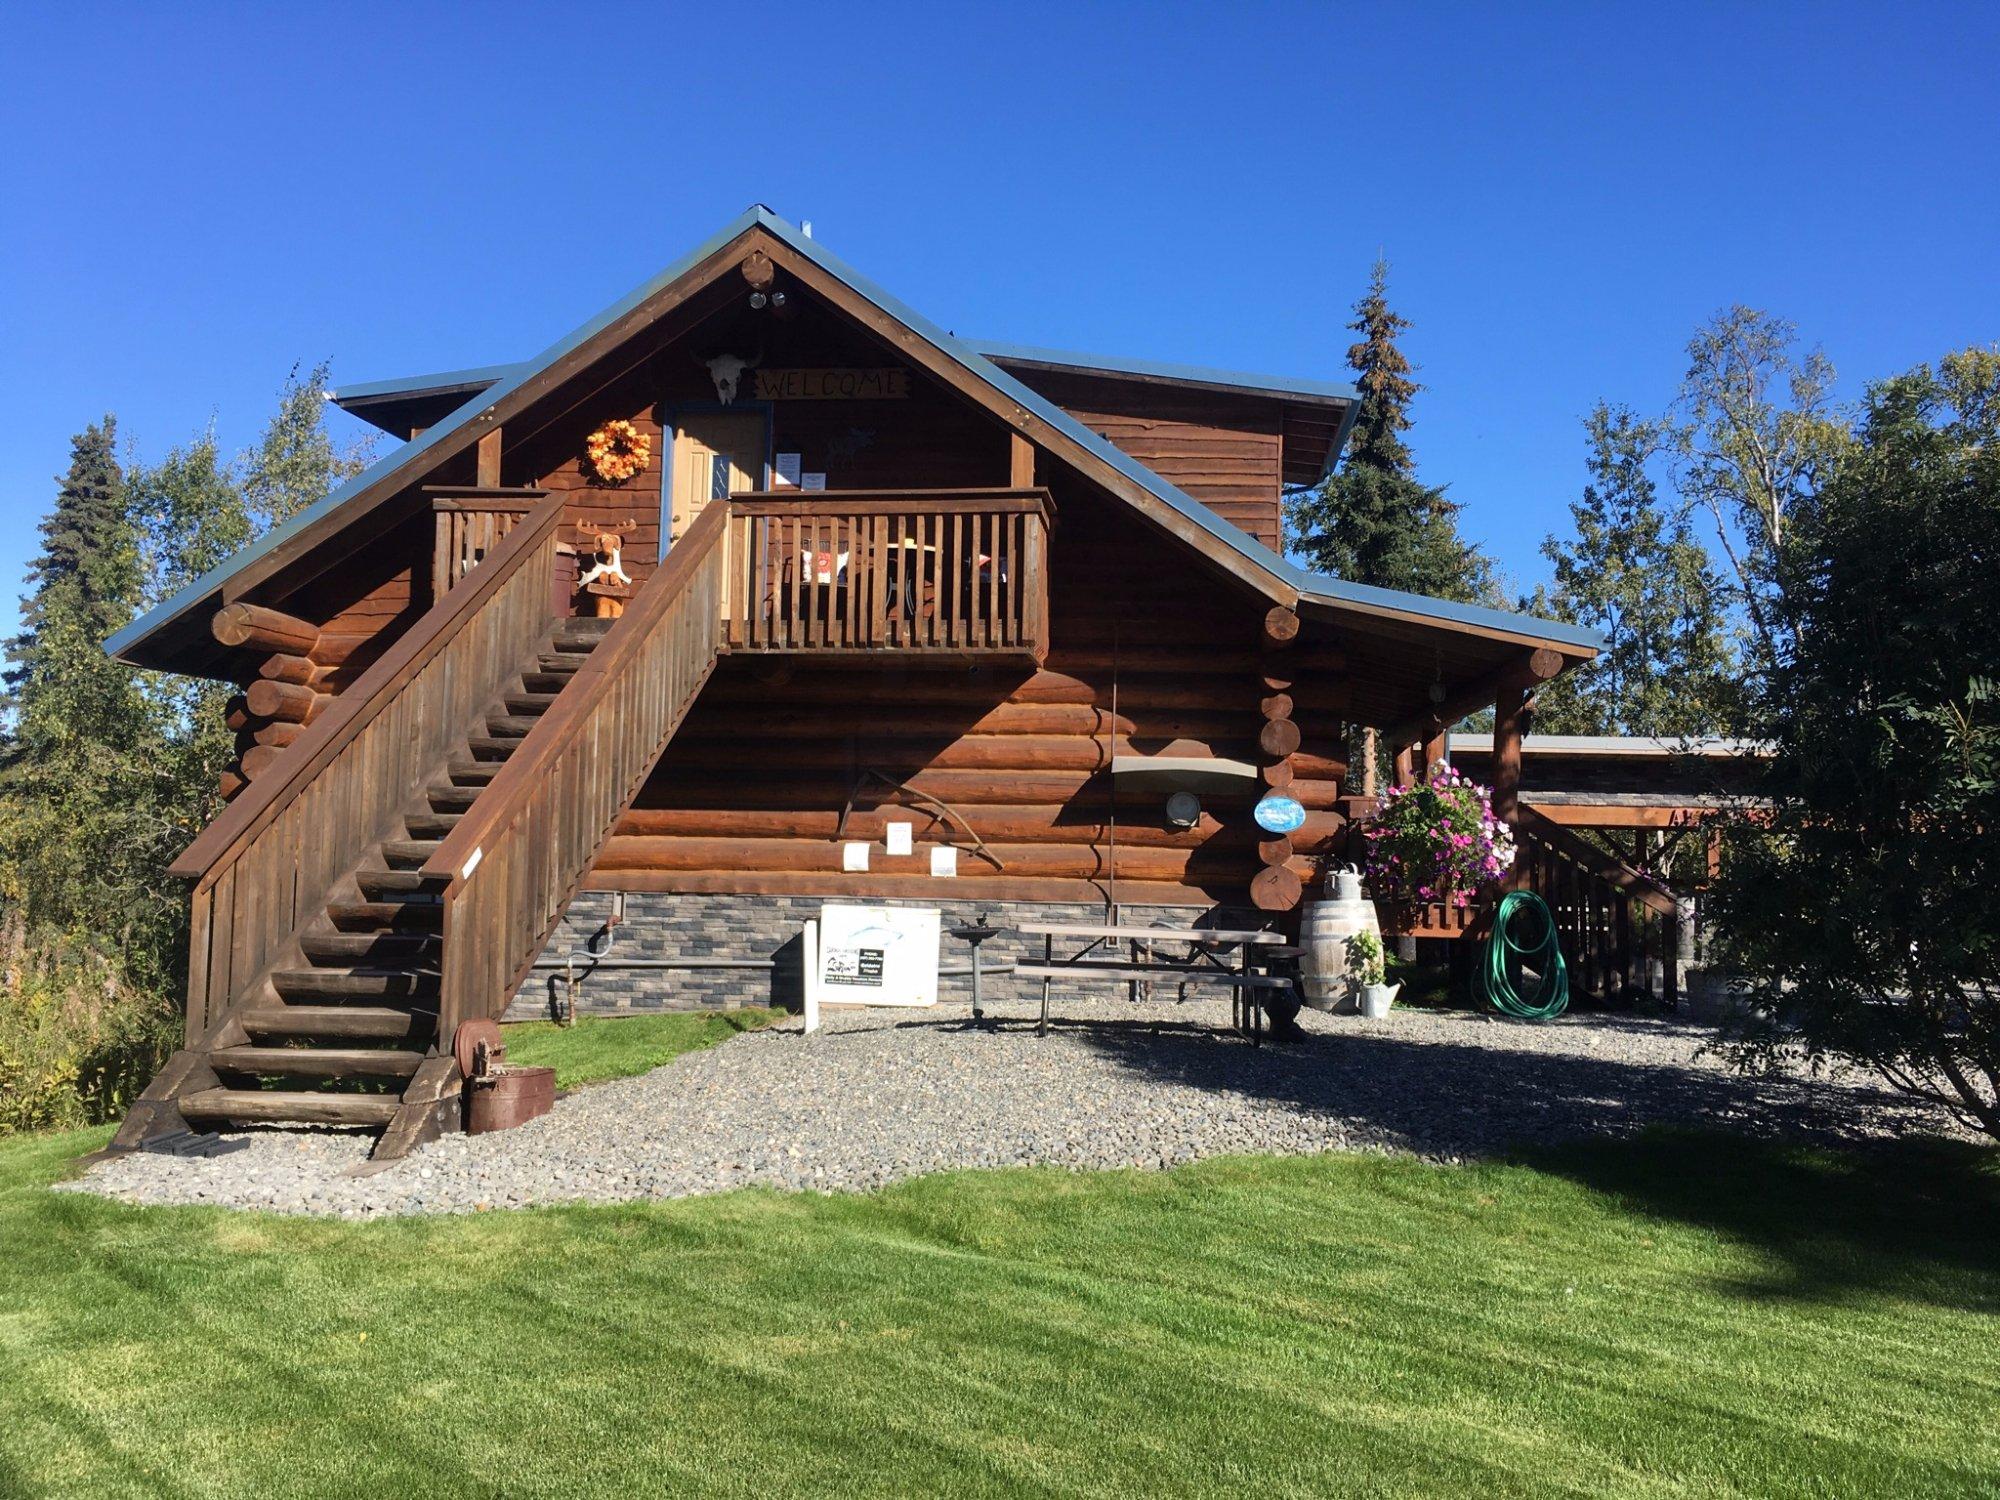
(761, 927)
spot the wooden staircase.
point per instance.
(407, 856)
(395, 871)
(340, 1033)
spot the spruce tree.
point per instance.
(1373, 521)
(1639, 577)
(86, 577)
(83, 833)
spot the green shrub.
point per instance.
(77, 1040)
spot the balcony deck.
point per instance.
(865, 575)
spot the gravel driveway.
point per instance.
(882, 1095)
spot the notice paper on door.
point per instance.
(944, 860)
(898, 838)
(854, 855)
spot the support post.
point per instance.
(1510, 719)
(489, 460)
(1021, 462)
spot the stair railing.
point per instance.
(267, 865)
(514, 861)
(1615, 923)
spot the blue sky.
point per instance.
(193, 198)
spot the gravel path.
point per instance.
(882, 1095)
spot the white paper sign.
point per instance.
(785, 468)
(877, 955)
(944, 860)
(814, 479)
(899, 838)
(854, 855)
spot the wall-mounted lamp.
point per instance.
(1183, 810)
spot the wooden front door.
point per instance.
(716, 454)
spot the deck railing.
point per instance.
(1619, 928)
(271, 859)
(470, 524)
(517, 857)
(914, 571)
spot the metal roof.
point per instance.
(1620, 745)
(1312, 586)
(1290, 387)
(479, 378)
(1286, 387)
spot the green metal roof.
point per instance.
(1312, 586)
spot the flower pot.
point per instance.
(1377, 998)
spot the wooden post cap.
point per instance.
(1276, 888)
(1278, 738)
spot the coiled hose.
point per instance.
(1506, 957)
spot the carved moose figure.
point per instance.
(605, 579)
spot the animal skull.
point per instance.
(726, 370)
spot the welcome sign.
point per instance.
(832, 385)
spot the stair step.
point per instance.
(408, 854)
(376, 1023)
(273, 1107)
(444, 797)
(529, 703)
(381, 949)
(423, 915)
(318, 1062)
(559, 663)
(581, 635)
(491, 747)
(517, 725)
(431, 825)
(389, 885)
(354, 984)
(467, 771)
(548, 682)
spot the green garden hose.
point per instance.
(1506, 958)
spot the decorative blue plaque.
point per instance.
(1278, 813)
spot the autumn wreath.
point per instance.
(617, 451)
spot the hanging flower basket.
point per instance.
(1437, 841)
(617, 451)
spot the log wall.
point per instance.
(1226, 451)
(1149, 656)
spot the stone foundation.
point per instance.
(766, 928)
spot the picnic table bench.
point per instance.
(1207, 960)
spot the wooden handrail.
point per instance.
(328, 734)
(1641, 887)
(515, 859)
(893, 502)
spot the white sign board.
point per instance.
(876, 955)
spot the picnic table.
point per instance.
(1236, 957)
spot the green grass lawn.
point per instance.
(1699, 1316)
(597, 1048)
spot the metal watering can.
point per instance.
(1346, 883)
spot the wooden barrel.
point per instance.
(1324, 928)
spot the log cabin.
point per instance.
(861, 571)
